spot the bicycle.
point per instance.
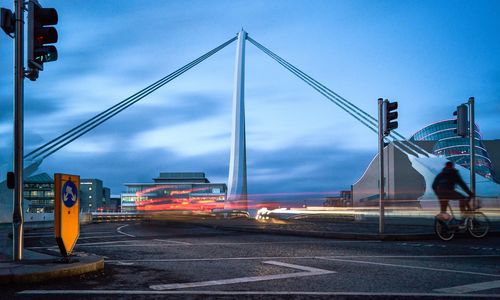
(476, 223)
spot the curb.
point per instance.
(320, 234)
(338, 235)
(30, 271)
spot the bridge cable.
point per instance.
(372, 122)
(363, 120)
(344, 104)
(76, 132)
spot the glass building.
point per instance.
(174, 191)
(456, 148)
(39, 193)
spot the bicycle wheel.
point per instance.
(478, 225)
(443, 231)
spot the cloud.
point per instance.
(188, 139)
(301, 171)
(305, 169)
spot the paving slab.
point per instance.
(37, 267)
(37, 270)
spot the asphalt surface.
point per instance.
(185, 261)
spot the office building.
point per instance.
(456, 148)
(39, 193)
(174, 191)
(93, 195)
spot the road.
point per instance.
(144, 260)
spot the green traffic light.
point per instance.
(45, 54)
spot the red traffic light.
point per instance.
(46, 35)
(40, 34)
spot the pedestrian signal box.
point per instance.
(66, 211)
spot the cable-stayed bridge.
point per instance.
(237, 178)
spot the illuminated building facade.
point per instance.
(456, 148)
(408, 178)
(174, 191)
(39, 193)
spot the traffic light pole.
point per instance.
(17, 216)
(472, 151)
(381, 164)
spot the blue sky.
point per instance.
(428, 55)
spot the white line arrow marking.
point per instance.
(474, 287)
(308, 271)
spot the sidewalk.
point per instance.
(36, 267)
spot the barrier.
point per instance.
(98, 217)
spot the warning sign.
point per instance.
(66, 211)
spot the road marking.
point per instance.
(91, 237)
(292, 266)
(100, 237)
(85, 235)
(295, 257)
(409, 267)
(308, 271)
(209, 259)
(107, 243)
(119, 231)
(97, 245)
(284, 294)
(172, 241)
(51, 234)
(88, 244)
(279, 242)
(178, 243)
(121, 263)
(474, 287)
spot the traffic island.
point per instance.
(49, 267)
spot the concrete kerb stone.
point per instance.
(29, 271)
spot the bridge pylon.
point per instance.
(237, 180)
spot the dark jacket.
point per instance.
(444, 183)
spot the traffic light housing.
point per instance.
(7, 21)
(462, 120)
(40, 35)
(390, 116)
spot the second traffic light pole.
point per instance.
(17, 215)
(381, 163)
(472, 133)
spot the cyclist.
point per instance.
(444, 187)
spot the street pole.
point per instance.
(472, 151)
(17, 215)
(381, 165)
